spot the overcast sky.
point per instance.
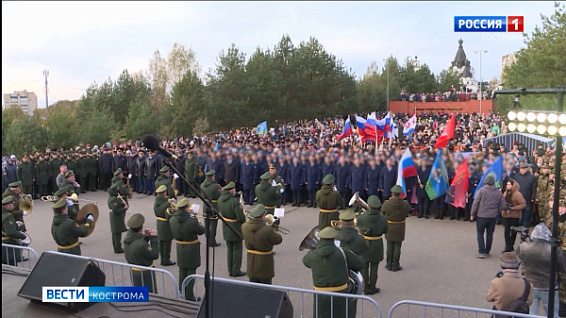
(83, 42)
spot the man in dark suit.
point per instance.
(423, 171)
(388, 178)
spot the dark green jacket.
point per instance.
(166, 181)
(328, 265)
(54, 165)
(376, 225)
(212, 189)
(328, 199)
(350, 239)
(186, 228)
(70, 189)
(71, 165)
(66, 232)
(137, 251)
(268, 196)
(92, 165)
(10, 232)
(42, 172)
(16, 212)
(230, 209)
(26, 174)
(191, 169)
(395, 210)
(81, 167)
(260, 237)
(163, 228)
(117, 215)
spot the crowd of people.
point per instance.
(297, 157)
(451, 96)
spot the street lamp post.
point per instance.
(480, 95)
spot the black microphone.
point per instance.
(153, 143)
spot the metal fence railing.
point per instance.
(120, 274)
(423, 309)
(24, 256)
(302, 299)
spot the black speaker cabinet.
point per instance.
(63, 271)
(231, 300)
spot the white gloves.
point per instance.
(273, 183)
(281, 190)
(26, 212)
(90, 217)
(176, 176)
(130, 176)
(69, 202)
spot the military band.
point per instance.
(141, 248)
(211, 188)
(328, 201)
(267, 194)
(231, 212)
(65, 231)
(118, 207)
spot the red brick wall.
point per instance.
(445, 107)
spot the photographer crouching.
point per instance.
(535, 257)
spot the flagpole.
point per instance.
(375, 131)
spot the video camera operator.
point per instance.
(535, 257)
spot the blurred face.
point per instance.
(509, 186)
(17, 190)
(71, 178)
(9, 206)
(523, 170)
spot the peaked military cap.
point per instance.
(8, 199)
(328, 179)
(396, 189)
(374, 202)
(161, 188)
(117, 172)
(265, 176)
(347, 215)
(327, 233)
(231, 185)
(136, 221)
(59, 204)
(183, 203)
(164, 169)
(210, 173)
(15, 184)
(258, 211)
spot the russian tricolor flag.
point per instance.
(347, 130)
(406, 169)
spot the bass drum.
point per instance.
(355, 282)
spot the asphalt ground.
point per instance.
(438, 256)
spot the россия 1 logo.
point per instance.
(488, 24)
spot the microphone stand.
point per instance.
(208, 202)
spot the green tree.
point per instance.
(446, 79)
(180, 61)
(227, 90)
(187, 103)
(541, 64)
(98, 128)
(126, 89)
(371, 90)
(62, 129)
(158, 78)
(9, 115)
(25, 136)
(142, 119)
(284, 63)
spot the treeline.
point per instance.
(286, 83)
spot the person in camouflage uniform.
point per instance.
(541, 199)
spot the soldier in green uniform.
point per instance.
(212, 189)
(139, 252)
(164, 179)
(267, 194)
(191, 171)
(91, 171)
(10, 233)
(395, 210)
(71, 164)
(26, 175)
(15, 190)
(232, 212)
(54, 165)
(70, 186)
(329, 265)
(186, 228)
(42, 175)
(374, 225)
(117, 177)
(259, 239)
(328, 201)
(541, 198)
(118, 207)
(65, 231)
(164, 233)
(81, 170)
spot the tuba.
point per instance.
(356, 200)
(355, 279)
(26, 203)
(83, 212)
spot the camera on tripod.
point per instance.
(523, 230)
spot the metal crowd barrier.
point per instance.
(371, 309)
(19, 252)
(114, 272)
(424, 309)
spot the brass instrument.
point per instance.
(49, 198)
(130, 189)
(356, 200)
(26, 203)
(337, 225)
(84, 212)
(73, 197)
(355, 279)
(270, 220)
(173, 206)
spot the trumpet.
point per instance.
(270, 220)
(336, 224)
